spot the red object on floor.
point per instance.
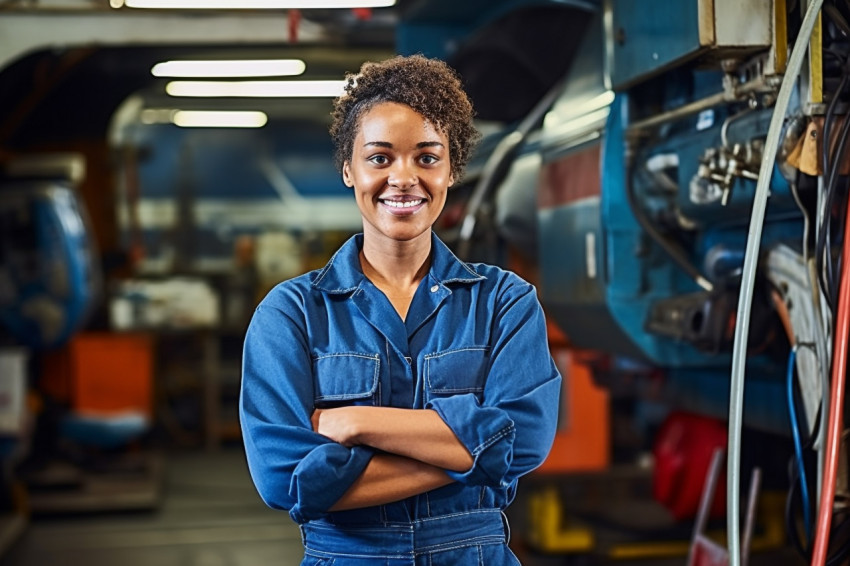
(683, 450)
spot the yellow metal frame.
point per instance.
(547, 532)
(816, 63)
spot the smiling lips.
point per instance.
(403, 205)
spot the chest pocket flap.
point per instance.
(454, 372)
(345, 377)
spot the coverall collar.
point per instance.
(343, 275)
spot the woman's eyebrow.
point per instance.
(388, 145)
(429, 144)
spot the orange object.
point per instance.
(102, 373)
(583, 439)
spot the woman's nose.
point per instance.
(403, 174)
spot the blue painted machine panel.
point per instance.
(649, 35)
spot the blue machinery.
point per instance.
(49, 273)
(642, 188)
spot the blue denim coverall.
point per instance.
(473, 348)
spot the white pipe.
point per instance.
(745, 298)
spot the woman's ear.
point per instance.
(451, 179)
(346, 175)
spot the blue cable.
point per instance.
(798, 446)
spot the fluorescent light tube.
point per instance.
(219, 119)
(244, 68)
(258, 4)
(156, 115)
(251, 89)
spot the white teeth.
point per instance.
(402, 204)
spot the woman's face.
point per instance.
(400, 172)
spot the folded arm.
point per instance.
(389, 478)
(418, 434)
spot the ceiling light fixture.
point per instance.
(150, 116)
(252, 89)
(244, 68)
(257, 4)
(219, 119)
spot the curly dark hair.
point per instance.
(428, 86)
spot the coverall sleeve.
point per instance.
(293, 467)
(510, 430)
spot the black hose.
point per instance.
(824, 252)
(836, 267)
(671, 247)
(837, 18)
(790, 517)
(840, 556)
(822, 232)
(830, 113)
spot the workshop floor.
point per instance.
(210, 515)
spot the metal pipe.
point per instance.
(736, 93)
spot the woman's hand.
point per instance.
(340, 424)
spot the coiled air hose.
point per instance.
(745, 298)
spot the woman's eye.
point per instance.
(428, 159)
(379, 159)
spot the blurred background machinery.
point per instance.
(671, 175)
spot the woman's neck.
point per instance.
(396, 268)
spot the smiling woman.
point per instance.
(391, 400)
(400, 171)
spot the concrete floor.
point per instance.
(210, 515)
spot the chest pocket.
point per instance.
(345, 379)
(456, 372)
